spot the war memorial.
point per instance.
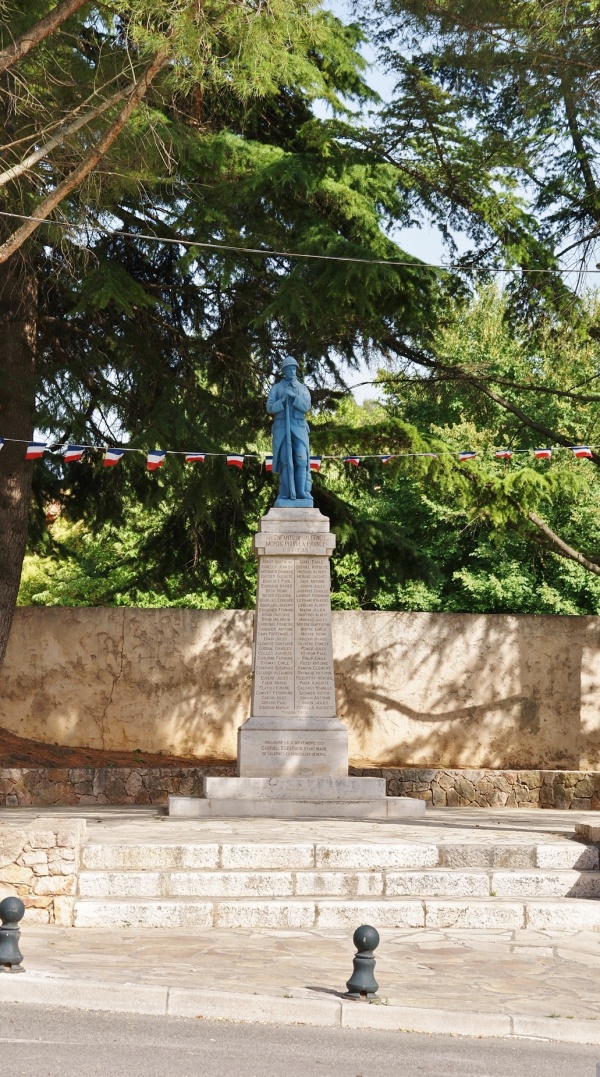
(292, 756)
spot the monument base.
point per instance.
(292, 747)
(294, 798)
(297, 503)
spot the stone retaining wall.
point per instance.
(44, 787)
(41, 865)
(415, 689)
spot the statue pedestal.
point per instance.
(293, 750)
(293, 730)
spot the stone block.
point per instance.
(62, 867)
(150, 857)
(14, 874)
(260, 855)
(38, 857)
(437, 883)
(12, 843)
(565, 914)
(567, 854)
(348, 884)
(229, 884)
(378, 857)
(307, 788)
(37, 916)
(386, 914)
(476, 914)
(540, 883)
(293, 914)
(588, 831)
(120, 884)
(63, 909)
(42, 839)
(60, 885)
(142, 914)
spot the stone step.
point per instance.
(561, 914)
(347, 856)
(434, 882)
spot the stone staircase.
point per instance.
(328, 885)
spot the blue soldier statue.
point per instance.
(288, 402)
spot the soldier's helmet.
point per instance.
(288, 361)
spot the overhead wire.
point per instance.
(267, 252)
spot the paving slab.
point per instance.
(489, 983)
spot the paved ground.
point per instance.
(462, 825)
(59, 1043)
(537, 974)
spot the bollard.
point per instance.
(362, 984)
(12, 910)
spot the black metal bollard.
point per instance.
(362, 984)
(12, 910)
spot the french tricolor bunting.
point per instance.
(73, 454)
(233, 460)
(156, 459)
(315, 463)
(582, 451)
(542, 454)
(467, 455)
(386, 459)
(1, 443)
(268, 463)
(35, 450)
(194, 457)
(112, 457)
(354, 460)
(503, 454)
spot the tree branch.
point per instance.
(562, 547)
(36, 33)
(78, 174)
(58, 139)
(433, 364)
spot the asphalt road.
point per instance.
(40, 1041)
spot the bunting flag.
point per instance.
(156, 459)
(73, 454)
(35, 450)
(112, 457)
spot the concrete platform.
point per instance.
(294, 798)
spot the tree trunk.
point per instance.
(18, 323)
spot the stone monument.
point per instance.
(293, 750)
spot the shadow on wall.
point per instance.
(175, 681)
(422, 689)
(466, 690)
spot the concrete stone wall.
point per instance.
(40, 864)
(416, 689)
